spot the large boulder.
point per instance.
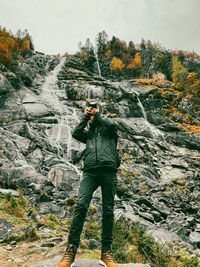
(5, 86)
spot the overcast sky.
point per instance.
(57, 26)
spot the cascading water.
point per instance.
(155, 132)
(97, 61)
(59, 135)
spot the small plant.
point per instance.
(92, 230)
(52, 221)
(120, 242)
(30, 233)
(15, 205)
(149, 249)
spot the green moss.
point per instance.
(14, 205)
(15, 221)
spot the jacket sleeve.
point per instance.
(79, 132)
(110, 124)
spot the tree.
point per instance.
(136, 62)
(101, 42)
(143, 44)
(116, 64)
(193, 85)
(179, 72)
(131, 48)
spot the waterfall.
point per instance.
(156, 133)
(97, 61)
(59, 135)
(142, 108)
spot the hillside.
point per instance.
(42, 98)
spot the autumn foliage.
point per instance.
(11, 46)
(116, 64)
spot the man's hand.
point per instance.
(94, 111)
(91, 111)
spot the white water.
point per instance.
(98, 66)
(59, 135)
(156, 133)
(97, 61)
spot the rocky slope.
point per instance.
(158, 180)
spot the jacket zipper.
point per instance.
(95, 135)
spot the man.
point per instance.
(100, 169)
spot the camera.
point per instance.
(92, 104)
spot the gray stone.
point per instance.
(5, 86)
(81, 263)
(5, 229)
(36, 109)
(162, 235)
(9, 191)
(195, 238)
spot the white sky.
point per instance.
(57, 26)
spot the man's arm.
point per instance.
(79, 132)
(110, 124)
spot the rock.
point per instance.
(49, 207)
(177, 162)
(163, 235)
(5, 86)
(169, 174)
(81, 263)
(195, 239)
(5, 230)
(26, 73)
(36, 157)
(9, 191)
(13, 79)
(35, 110)
(25, 174)
(64, 177)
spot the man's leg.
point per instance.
(108, 187)
(87, 187)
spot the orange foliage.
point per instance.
(193, 85)
(191, 129)
(10, 46)
(5, 55)
(136, 62)
(116, 64)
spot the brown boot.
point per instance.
(68, 257)
(107, 259)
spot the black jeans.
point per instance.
(106, 178)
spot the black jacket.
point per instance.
(100, 140)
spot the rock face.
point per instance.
(158, 180)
